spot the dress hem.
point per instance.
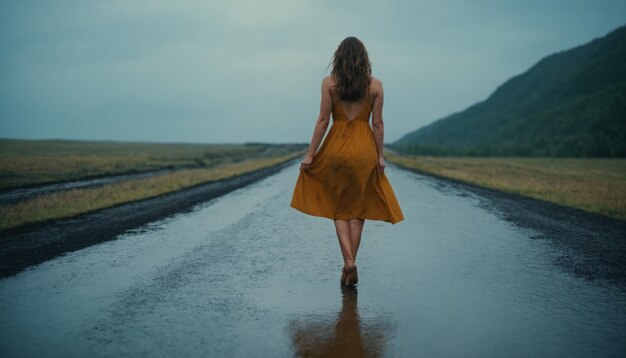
(392, 222)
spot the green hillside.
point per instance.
(569, 104)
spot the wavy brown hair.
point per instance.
(352, 70)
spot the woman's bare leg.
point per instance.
(356, 229)
(343, 234)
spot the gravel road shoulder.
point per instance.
(26, 246)
(593, 246)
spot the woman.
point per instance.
(345, 179)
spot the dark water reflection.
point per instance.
(343, 334)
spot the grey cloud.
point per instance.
(235, 71)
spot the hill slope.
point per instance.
(572, 104)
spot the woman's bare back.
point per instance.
(353, 108)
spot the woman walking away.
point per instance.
(345, 180)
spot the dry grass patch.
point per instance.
(595, 185)
(68, 203)
(32, 162)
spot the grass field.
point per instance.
(595, 185)
(63, 160)
(34, 162)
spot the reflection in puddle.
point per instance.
(345, 334)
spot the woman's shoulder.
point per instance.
(328, 81)
(376, 86)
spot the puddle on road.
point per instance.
(246, 275)
(344, 334)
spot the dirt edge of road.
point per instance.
(23, 247)
(591, 246)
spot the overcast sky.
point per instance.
(238, 71)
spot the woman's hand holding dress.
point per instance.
(304, 165)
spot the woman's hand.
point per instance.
(381, 165)
(304, 165)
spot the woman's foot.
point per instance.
(343, 276)
(354, 278)
(351, 275)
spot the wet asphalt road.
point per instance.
(247, 275)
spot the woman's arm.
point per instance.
(321, 125)
(378, 126)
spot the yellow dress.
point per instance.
(343, 181)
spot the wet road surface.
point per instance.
(247, 275)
